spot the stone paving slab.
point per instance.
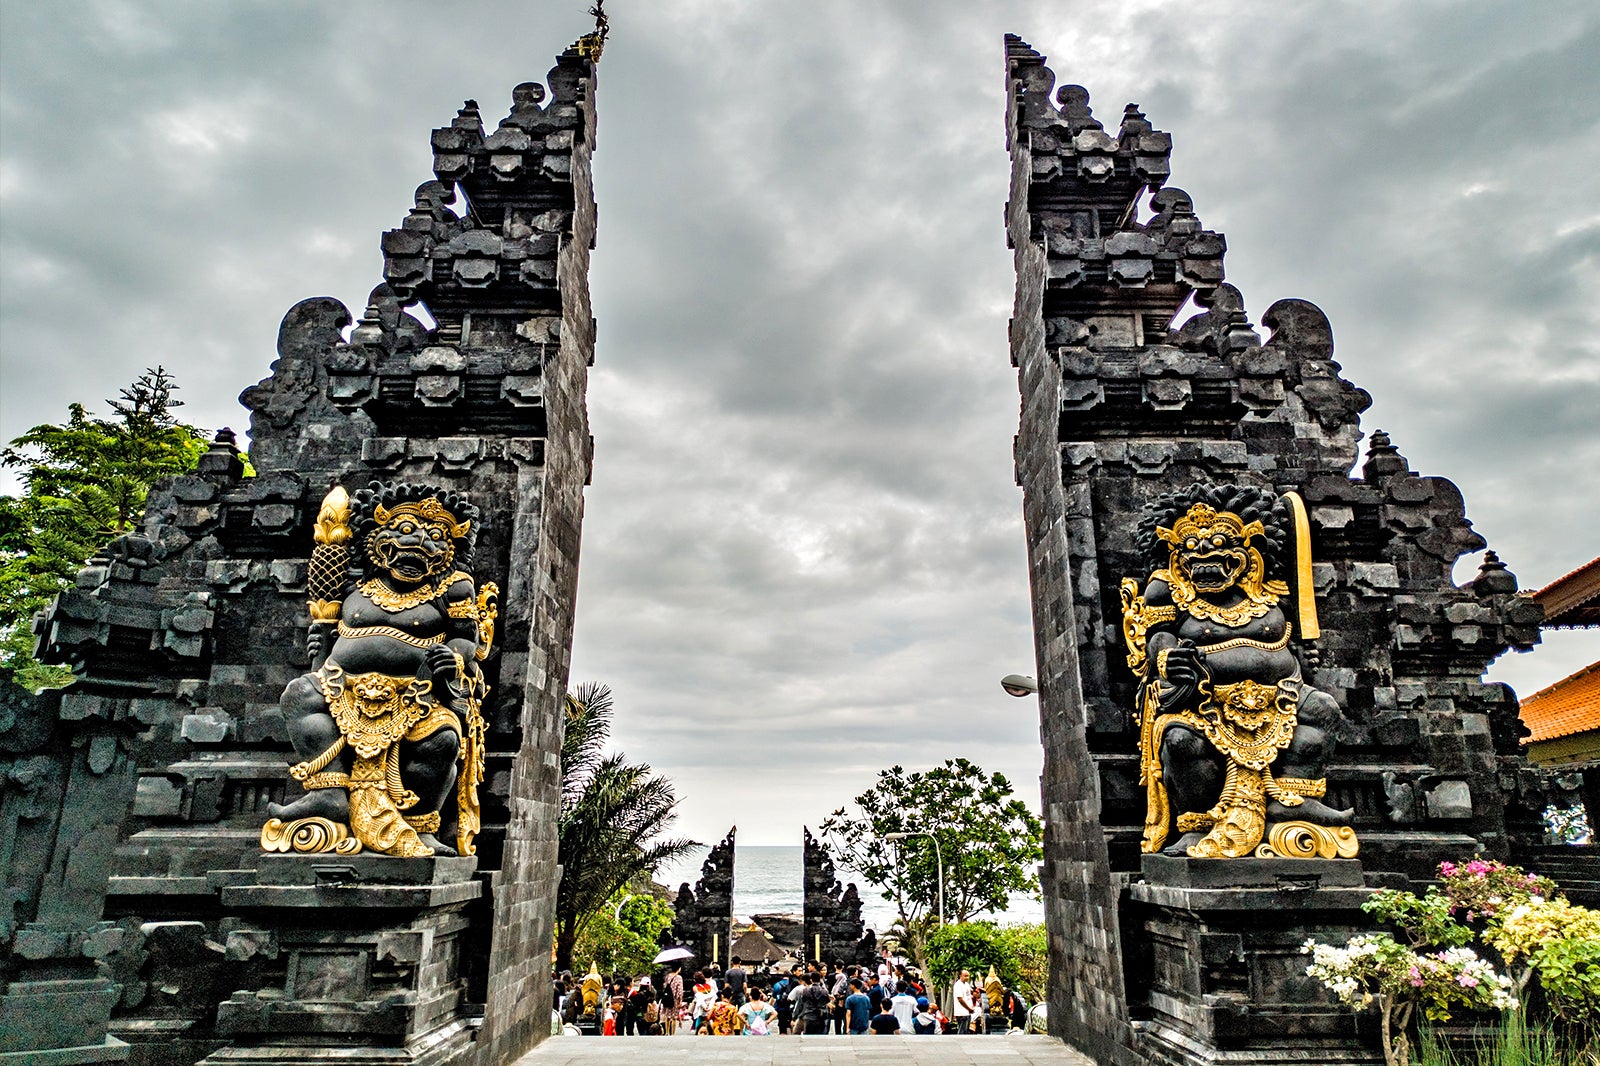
(805, 1051)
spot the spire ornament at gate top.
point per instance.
(590, 45)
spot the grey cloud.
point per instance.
(803, 552)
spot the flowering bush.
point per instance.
(1483, 888)
(1424, 919)
(1438, 972)
(1377, 968)
(1561, 943)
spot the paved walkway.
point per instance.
(805, 1051)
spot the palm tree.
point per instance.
(612, 815)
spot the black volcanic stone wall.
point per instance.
(832, 911)
(703, 915)
(185, 634)
(1119, 404)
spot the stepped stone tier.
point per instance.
(703, 915)
(1126, 400)
(143, 919)
(834, 929)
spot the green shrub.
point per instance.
(1019, 954)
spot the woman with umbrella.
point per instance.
(672, 987)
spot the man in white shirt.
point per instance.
(963, 998)
(904, 1005)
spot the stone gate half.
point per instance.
(1121, 402)
(134, 800)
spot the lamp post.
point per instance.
(1019, 685)
(938, 858)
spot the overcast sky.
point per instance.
(803, 553)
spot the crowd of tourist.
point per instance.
(815, 999)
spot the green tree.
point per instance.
(621, 937)
(84, 482)
(1018, 953)
(990, 842)
(613, 814)
(989, 839)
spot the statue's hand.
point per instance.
(1182, 665)
(442, 663)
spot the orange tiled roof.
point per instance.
(1572, 599)
(1571, 705)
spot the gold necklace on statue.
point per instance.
(391, 601)
(1235, 616)
(1259, 598)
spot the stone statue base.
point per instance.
(59, 1022)
(366, 964)
(1214, 971)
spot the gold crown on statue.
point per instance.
(1204, 521)
(428, 510)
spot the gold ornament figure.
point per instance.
(1232, 741)
(389, 717)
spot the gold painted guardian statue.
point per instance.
(388, 721)
(1233, 744)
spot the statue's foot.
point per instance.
(1312, 810)
(1180, 849)
(330, 803)
(431, 841)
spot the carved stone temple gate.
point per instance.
(1120, 404)
(141, 910)
(142, 922)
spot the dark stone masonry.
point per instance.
(142, 922)
(834, 930)
(703, 915)
(1124, 399)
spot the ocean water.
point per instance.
(767, 880)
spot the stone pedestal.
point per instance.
(368, 962)
(1215, 974)
(59, 1022)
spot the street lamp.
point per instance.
(1019, 685)
(938, 858)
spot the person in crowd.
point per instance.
(562, 986)
(858, 1009)
(837, 991)
(797, 984)
(963, 1002)
(704, 999)
(735, 980)
(1016, 1009)
(885, 1023)
(811, 1006)
(724, 1018)
(926, 1021)
(760, 1018)
(671, 1000)
(904, 1006)
(875, 992)
(644, 1012)
(780, 999)
(616, 1003)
